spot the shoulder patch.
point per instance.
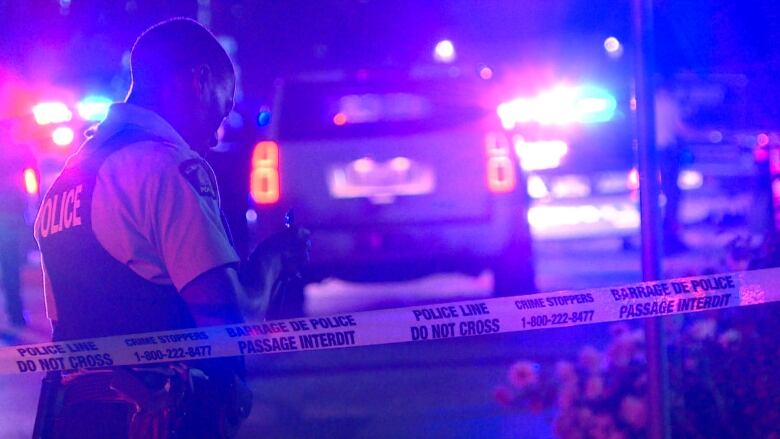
(198, 176)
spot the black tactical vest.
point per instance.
(95, 294)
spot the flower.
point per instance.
(567, 426)
(618, 329)
(567, 395)
(638, 336)
(504, 396)
(640, 383)
(633, 411)
(622, 350)
(523, 374)
(604, 394)
(585, 415)
(566, 372)
(617, 434)
(729, 338)
(594, 387)
(602, 426)
(703, 329)
(590, 359)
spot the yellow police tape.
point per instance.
(399, 325)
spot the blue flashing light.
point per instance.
(263, 118)
(596, 105)
(94, 108)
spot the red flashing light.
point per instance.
(340, 119)
(501, 176)
(633, 179)
(264, 179)
(31, 182)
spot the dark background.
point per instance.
(81, 43)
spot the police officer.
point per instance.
(13, 228)
(133, 240)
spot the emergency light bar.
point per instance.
(560, 106)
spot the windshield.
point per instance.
(366, 109)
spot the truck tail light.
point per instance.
(501, 175)
(264, 179)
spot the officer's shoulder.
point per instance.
(144, 164)
(151, 154)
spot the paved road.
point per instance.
(438, 389)
(444, 389)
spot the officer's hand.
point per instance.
(289, 249)
(280, 257)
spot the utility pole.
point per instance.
(644, 69)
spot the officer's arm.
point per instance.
(212, 297)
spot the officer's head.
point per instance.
(180, 70)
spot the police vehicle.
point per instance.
(397, 177)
